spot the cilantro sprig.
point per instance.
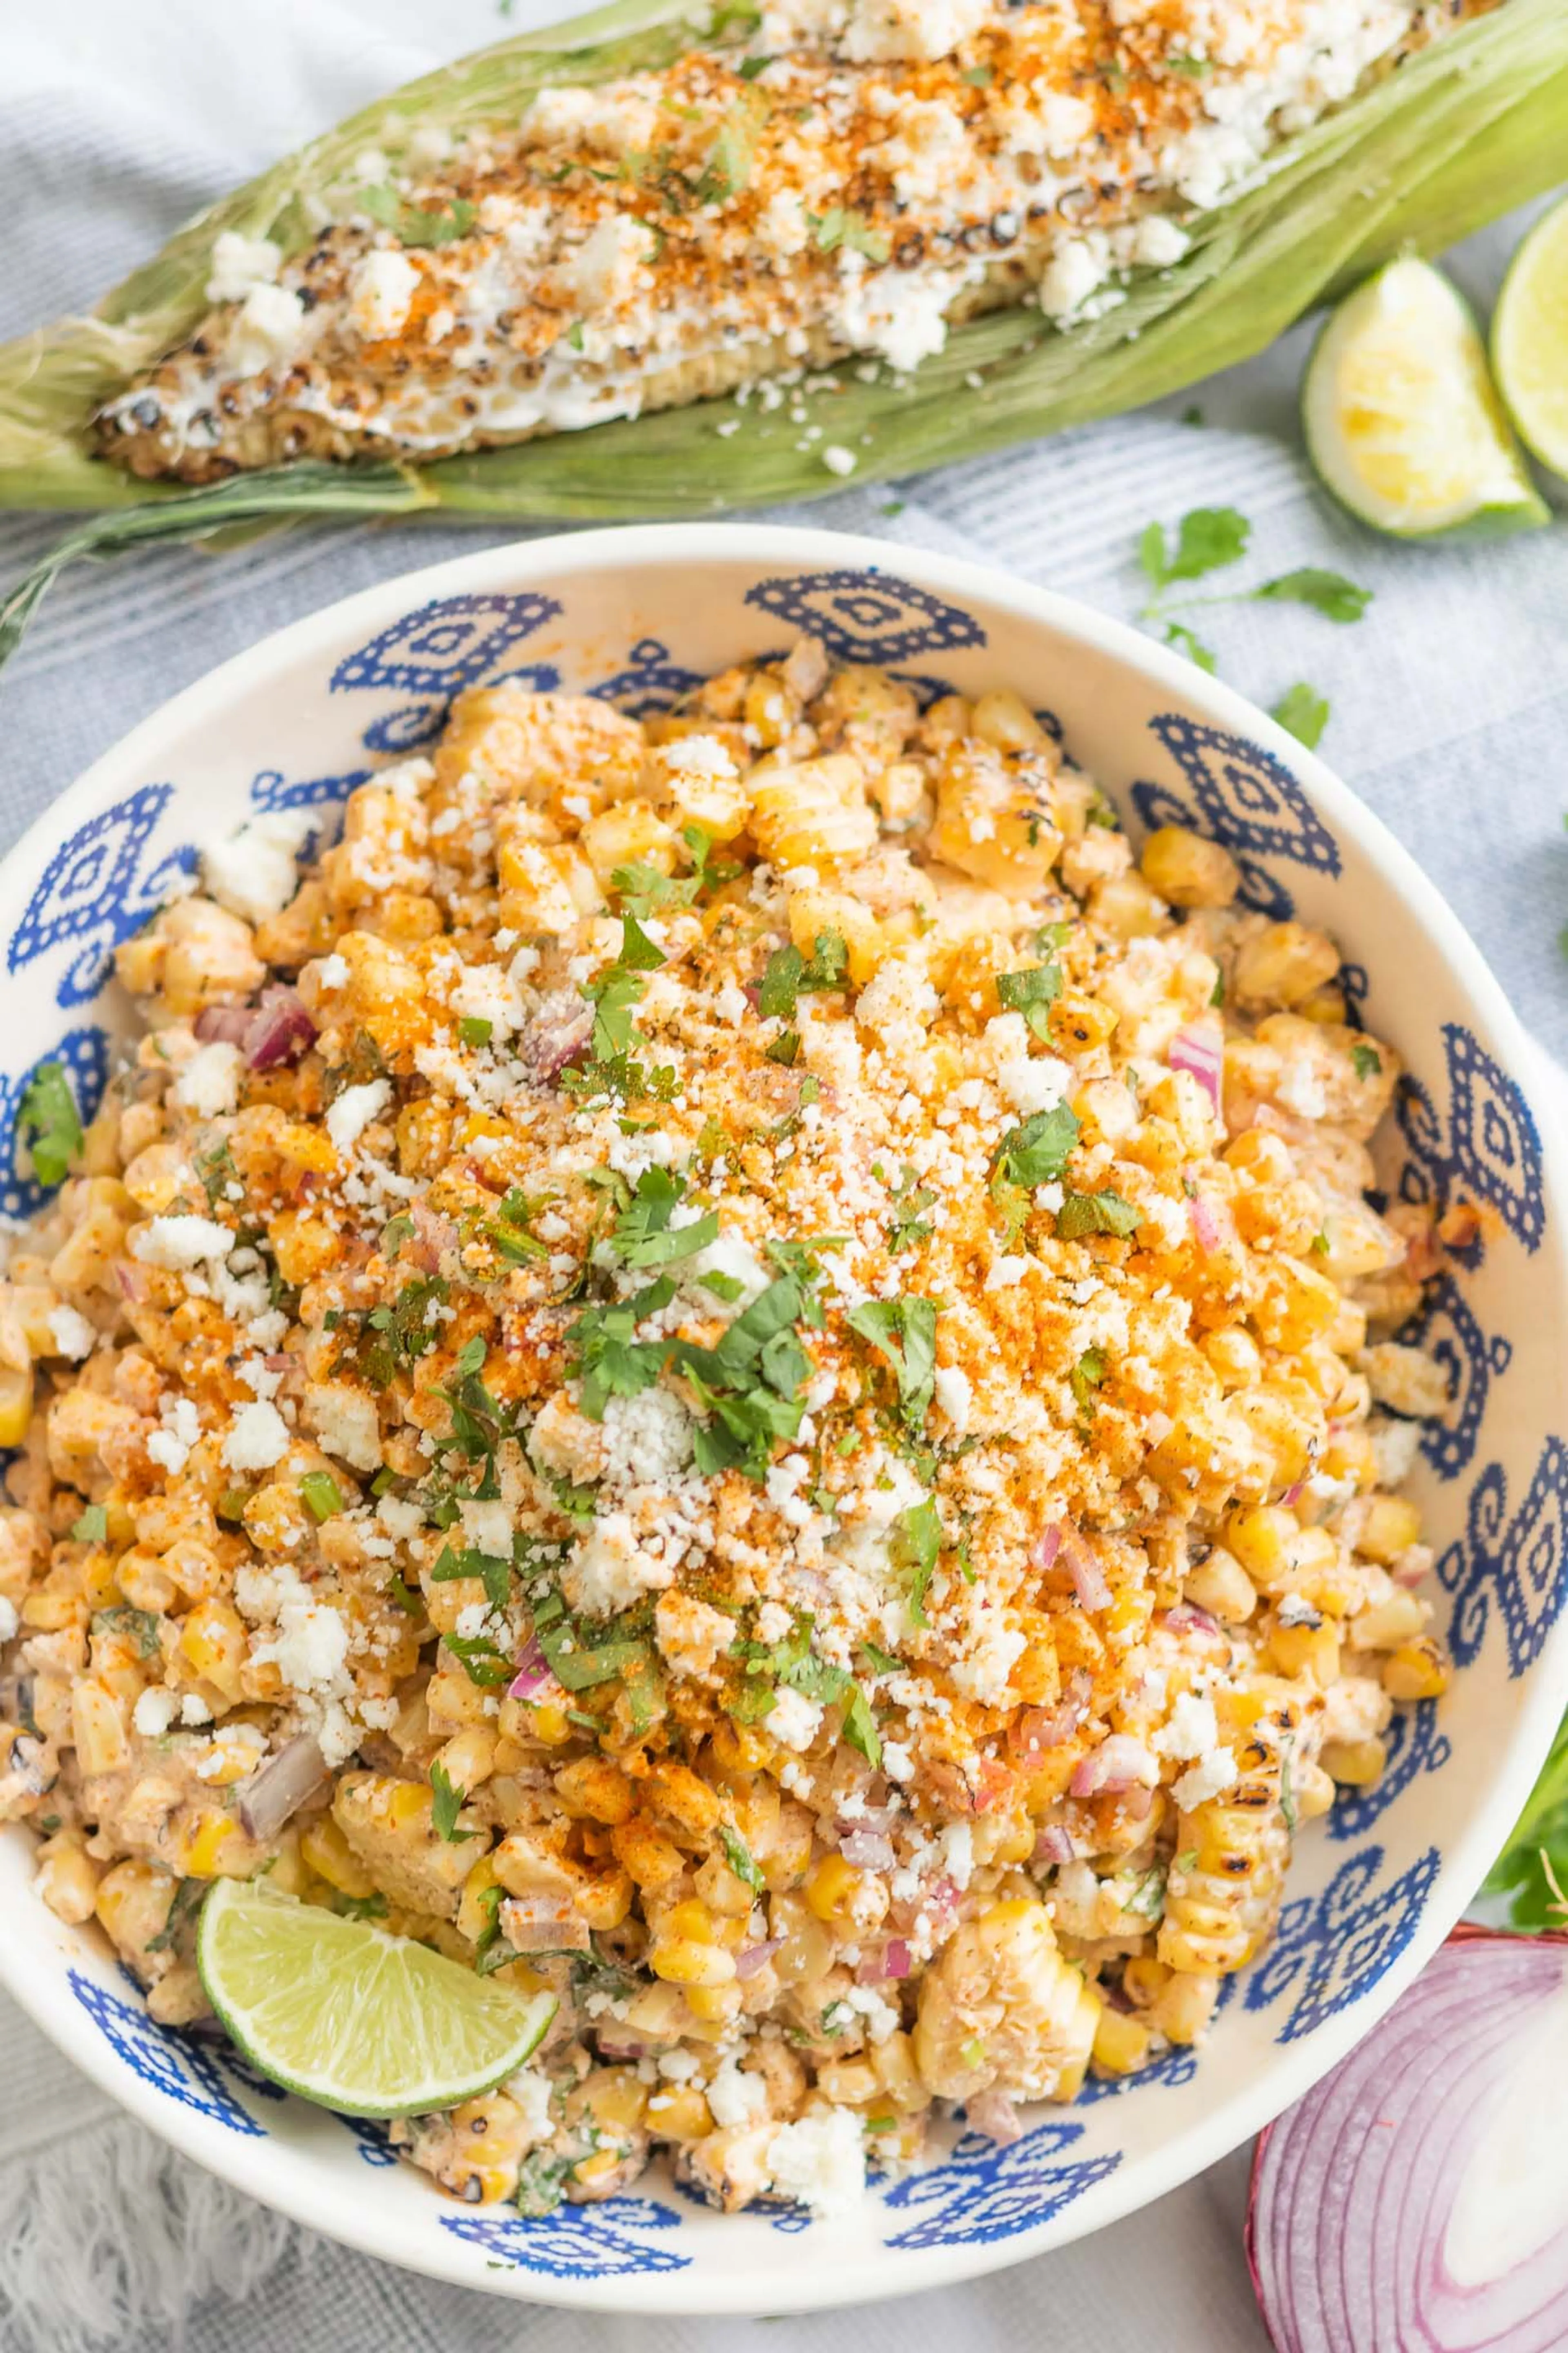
(48, 1124)
(904, 1332)
(789, 976)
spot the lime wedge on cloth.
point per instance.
(1403, 420)
(344, 2013)
(1530, 340)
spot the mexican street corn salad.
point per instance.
(733, 1367)
(816, 181)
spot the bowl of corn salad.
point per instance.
(786, 1298)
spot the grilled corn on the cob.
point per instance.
(849, 177)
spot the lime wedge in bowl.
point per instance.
(1530, 340)
(1403, 420)
(344, 2013)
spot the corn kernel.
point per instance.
(1417, 1671)
(1390, 1527)
(324, 1846)
(1121, 2042)
(1354, 1764)
(1188, 870)
(831, 1887)
(683, 1962)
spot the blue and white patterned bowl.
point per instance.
(639, 616)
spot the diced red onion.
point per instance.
(617, 2045)
(1381, 2210)
(1049, 1545)
(1120, 1763)
(889, 1960)
(1206, 1225)
(867, 1851)
(433, 1233)
(281, 1030)
(1199, 1049)
(223, 1024)
(532, 1673)
(1292, 1495)
(753, 1958)
(1089, 1578)
(869, 1818)
(1413, 1566)
(557, 1035)
(994, 2113)
(939, 1903)
(1186, 1618)
(1054, 1844)
(1034, 1729)
(275, 1794)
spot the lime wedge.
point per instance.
(340, 2012)
(1530, 340)
(1403, 420)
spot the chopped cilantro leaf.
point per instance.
(449, 1801)
(916, 1548)
(1035, 1152)
(839, 227)
(905, 1332)
(738, 1855)
(482, 1661)
(1031, 993)
(1206, 539)
(1095, 1213)
(48, 1124)
(138, 1626)
(492, 1569)
(1366, 1061)
(1086, 1377)
(473, 1031)
(1303, 713)
(90, 1526)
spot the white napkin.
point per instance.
(1450, 714)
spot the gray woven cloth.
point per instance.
(1450, 716)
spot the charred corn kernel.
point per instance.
(1311, 1651)
(679, 2112)
(848, 2083)
(1297, 1307)
(1351, 1454)
(896, 793)
(1354, 1764)
(1314, 1792)
(303, 1245)
(1261, 1537)
(593, 1789)
(1144, 1980)
(815, 913)
(226, 1759)
(628, 833)
(1185, 2005)
(812, 813)
(1003, 719)
(98, 1729)
(1014, 1841)
(1077, 1024)
(1121, 2042)
(1400, 1617)
(1417, 1671)
(721, 1891)
(893, 2060)
(209, 1843)
(15, 1404)
(605, 1900)
(1126, 907)
(772, 710)
(1189, 872)
(213, 1641)
(469, 1757)
(132, 1904)
(1390, 1527)
(67, 1882)
(1282, 965)
(549, 1724)
(614, 2099)
(1234, 1356)
(739, 1747)
(832, 1888)
(1326, 1005)
(689, 1921)
(711, 2010)
(1221, 1586)
(682, 1961)
(601, 2167)
(324, 1846)
(655, 1862)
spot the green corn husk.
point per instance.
(1465, 130)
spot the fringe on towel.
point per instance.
(118, 2236)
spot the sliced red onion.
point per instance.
(994, 2114)
(1055, 1844)
(274, 1794)
(558, 1035)
(1186, 1618)
(532, 1673)
(1046, 1551)
(753, 1958)
(1120, 1763)
(1199, 1049)
(1416, 2199)
(1206, 1225)
(223, 1024)
(1292, 1495)
(1089, 1578)
(281, 1030)
(867, 1851)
